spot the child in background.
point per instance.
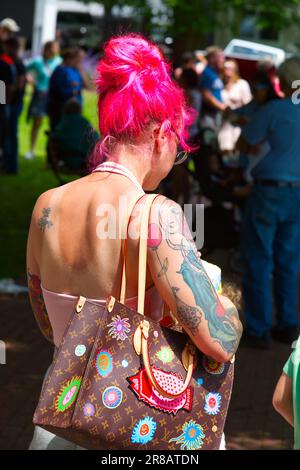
(286, 398)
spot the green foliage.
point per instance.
(205, 15)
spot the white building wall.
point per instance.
(44, 25)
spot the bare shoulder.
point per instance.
(45, 197)
(163, 207)
(163, 210)
(169, 217)
(43, 207)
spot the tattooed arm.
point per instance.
(40, 221)
(210, 320)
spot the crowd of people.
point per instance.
(248, 143)
(225, 102)
(56, 77)
(248, 136)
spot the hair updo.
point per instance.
(135, 89)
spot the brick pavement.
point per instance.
(252, 423)
(27, 358)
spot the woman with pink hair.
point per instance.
(73, 248)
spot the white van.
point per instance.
(76, 22)
(241, 49)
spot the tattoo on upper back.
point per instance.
(223, 324)
(45, 222)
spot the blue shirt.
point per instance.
(247, 110)
(65, 83)
(211, 81)
(278, 122)
(247, 162)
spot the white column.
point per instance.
(44, 23)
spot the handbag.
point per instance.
(120, 380)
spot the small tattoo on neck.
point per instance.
(44, 221)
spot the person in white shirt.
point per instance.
(236, 93)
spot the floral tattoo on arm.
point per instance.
(223, 324)
(38, 305)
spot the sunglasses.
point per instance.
(181, 155)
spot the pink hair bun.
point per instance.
(135, 89)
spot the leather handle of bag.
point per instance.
(143, 251)
(125, 227)
(141, 301)
(147, 365)
(142, 265)
(142, 269)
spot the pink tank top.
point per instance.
(60, 307)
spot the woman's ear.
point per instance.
(157, 138)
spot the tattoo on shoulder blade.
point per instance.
(45, 222)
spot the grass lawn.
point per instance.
(18, 193)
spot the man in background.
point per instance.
(8, 29)
(12, 48)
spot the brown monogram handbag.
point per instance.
(120, 380)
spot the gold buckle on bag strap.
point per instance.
(110, 303)
(80, 304)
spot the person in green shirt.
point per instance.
(286, 398)
(75, 136)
